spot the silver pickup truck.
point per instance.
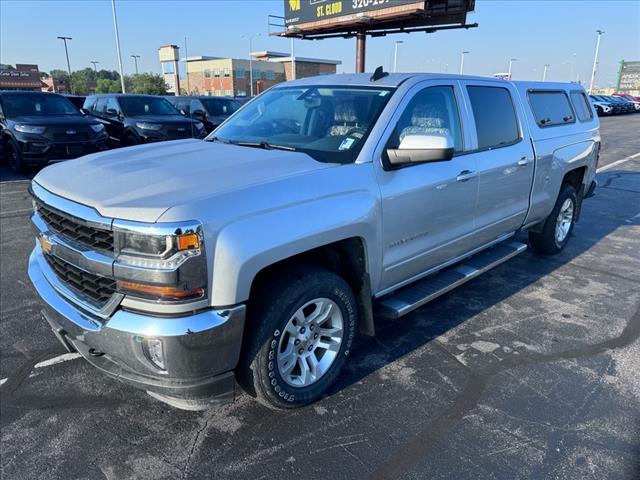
(257, 255)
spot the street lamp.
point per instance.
(511, 60)
(544, 72)
(94, 63)
(595, 61)
(66, 51)
(135, 59)
(115, 27)
(251, 37)
(462, 54)
(395, 54)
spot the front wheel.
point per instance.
(302, 329)
(559, 224)
(14, 157)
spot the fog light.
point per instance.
(154, 351)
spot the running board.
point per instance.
(415, 295)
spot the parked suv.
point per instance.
(39, 127)
(211, 111)
(133, 119)
(602, 108)
(324, 203)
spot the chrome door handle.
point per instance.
(465, 175)
(523, 162)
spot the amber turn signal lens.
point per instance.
(158, 291)
(188, 241)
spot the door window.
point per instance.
(100, 105)
(551, 107)
(112, 106)
(432, 111)
(495, 116)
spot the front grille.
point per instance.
(75, 230)
(177, 132)
(62, 133)
(98, 288)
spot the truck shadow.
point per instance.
(613, 207)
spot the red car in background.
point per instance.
(627, 96)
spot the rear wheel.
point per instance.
(302, 328)
(559, 224)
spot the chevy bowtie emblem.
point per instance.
(71, 132)
(180, 129)
(45, 244)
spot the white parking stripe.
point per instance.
(3, 380)
(618, 162)
(59, 359)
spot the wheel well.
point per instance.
(346, 258)
(575, 177)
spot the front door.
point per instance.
(427, 209)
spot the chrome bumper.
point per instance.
(200, 350)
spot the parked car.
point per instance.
(627, 96)
(634, 103)
(211, 111)
(601, 108)
(626, 106)
(39, 127)
(132, 119)
(617, 107)
(260, 253)
(77, 100)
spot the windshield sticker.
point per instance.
(346, 143)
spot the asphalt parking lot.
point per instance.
(530, 371)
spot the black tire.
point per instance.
(269, 313)
(130, 140)
(546, 241)
(14, 158)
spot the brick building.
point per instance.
(22, 77)
(231, 76)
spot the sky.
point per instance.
(559, 33)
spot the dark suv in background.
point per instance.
(39, 127)
(211, 111)
(133, 119)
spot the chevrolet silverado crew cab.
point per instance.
(257, 255)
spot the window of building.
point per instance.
(495, 116)
(216, 72)
(551, 107)
(228, 93)
(240, 73)
(256, 74)
(270, 75)
(241, 93)
(207, 73)
(217, 93)
(581, 106)
(226, 72)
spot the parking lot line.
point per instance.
(618, 162)
(65, 357)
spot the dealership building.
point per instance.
(231, 77)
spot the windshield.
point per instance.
(328, 123)
(138, 106)
(220, 107)
(29, 105)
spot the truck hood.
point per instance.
(140, 183)
(54, 120)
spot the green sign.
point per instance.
(629, 76)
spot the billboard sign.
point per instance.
(629, 77)
(307, 11)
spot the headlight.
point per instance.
(148, 126)
(98, 127)
(29, 129)
(170, 256)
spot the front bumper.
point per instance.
(200, 350)
(45, 151)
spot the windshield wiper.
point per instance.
(220, 140)
(265, 145)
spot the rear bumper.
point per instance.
(200, 350)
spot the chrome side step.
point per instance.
(413, 296)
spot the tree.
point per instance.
(104, 85)
(149, 83)
(60, 76)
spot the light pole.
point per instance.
(544, 72)
(94, 63)
(251, 37)
(395, 54)
(135, 59)
(115, 27)
(66, 51)
(511, 60)
(462, 54)
(595, 61)
(186, 65)
(293, 60)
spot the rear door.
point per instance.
(504, 156)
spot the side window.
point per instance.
(112, 105)
(433, 110)
(89, 104)
(495, 116)
(551, 107)
(581, 106)
(195, 106)
(100, 105)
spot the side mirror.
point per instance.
(422, 149)
(84, 112)
(198, 114)
(112, 112)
